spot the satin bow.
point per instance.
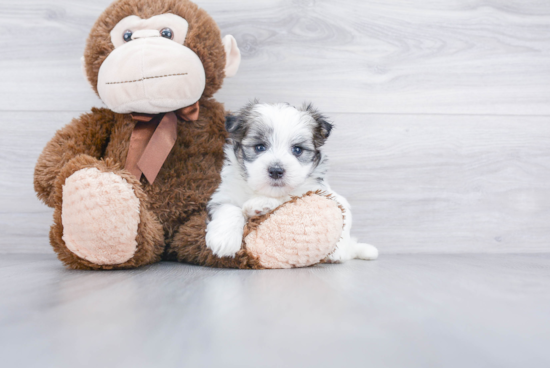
(153, 138)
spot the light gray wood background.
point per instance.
(442, 109)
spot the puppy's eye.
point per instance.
(167, 33)
(127, 36)
(259, 148)
(297, 151)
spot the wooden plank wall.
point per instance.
(442, 109)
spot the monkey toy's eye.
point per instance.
(259, 148)
(127, 36)
(167, 33)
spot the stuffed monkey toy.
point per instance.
(129, 183)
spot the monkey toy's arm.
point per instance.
(87, 135)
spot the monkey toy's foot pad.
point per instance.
(100, 216)
(299, 233)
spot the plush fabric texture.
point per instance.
(150, 237)
(299, 233)
(100, 216)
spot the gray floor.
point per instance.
(400, 311)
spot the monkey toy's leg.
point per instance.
(101, 220)
(298, 233)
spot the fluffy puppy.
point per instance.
(273, 153)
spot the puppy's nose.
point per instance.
(275, 172)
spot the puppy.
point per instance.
(273, 153)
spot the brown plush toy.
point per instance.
(130, 183)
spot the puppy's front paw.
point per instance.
(224, 236)
(260, 206)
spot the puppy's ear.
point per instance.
(231, 123)
(234, 124)
(322, 127)
(237, 125)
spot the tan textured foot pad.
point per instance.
(300, 233)
(100, 215)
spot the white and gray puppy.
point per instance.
(274, 152)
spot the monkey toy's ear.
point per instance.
(232, 55)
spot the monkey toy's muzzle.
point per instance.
(150, 74)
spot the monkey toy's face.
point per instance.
(150, 70)
(150, 65)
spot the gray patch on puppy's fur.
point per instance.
(238, 127)
(246, 132)
(323, 126)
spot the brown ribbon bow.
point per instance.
(153, 138)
